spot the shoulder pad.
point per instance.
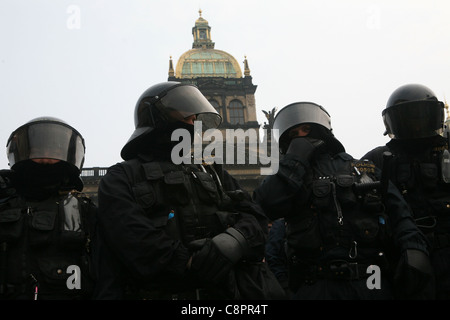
(6, 183)
(344, 156)
(6, 178)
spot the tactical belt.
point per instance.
(335, 269)
(343, 270)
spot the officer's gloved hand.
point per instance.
(216, 257)
(414, 276)
(303, 148)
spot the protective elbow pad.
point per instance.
(418, 260)
(231, 244)
(414, 276)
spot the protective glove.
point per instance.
(414, 278)
(215, 257)
(303, 148)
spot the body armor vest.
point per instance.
(419, 179)
(44, 248)
(185, 200)
(341, 215)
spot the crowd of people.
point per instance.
(341, 228)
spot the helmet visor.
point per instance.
(412, 120)
(299, 113)
(46, 140)
(184, 101)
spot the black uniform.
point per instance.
(333, 233)
(416, 171)
(176, 231)
(45, 247)
(149, 213)
(341, 220)
(46, 222)
(419, 167)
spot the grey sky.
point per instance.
(87, 62)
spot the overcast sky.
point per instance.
(87, 62)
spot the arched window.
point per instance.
(236, 112)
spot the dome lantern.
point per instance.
(203, 60)
(202, 34)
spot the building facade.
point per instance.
(219, 77)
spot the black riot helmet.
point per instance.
(299, 113)
(164, 104)
(46, 138)
(413, 112)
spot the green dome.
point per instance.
(201, 62)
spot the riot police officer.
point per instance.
(414, 120)
(342, 222)
(173, 231)
(46, 222)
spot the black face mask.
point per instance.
(40, 181)
(160, 145)
(331, 145)
(416, 146)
